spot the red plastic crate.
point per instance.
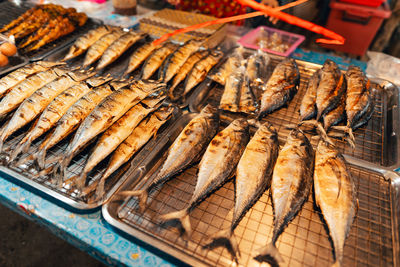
(372, 3)
(358, 24)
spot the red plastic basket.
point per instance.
(250, 40)
(372, 3)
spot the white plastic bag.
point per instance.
(384, 66)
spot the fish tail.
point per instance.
(323, 134)
(226, 238)
(270, 251)
(22, 147)
(142, 195)
(41, 158)
(352, 139)
(80, 181)
(58, 174)
(182, 216)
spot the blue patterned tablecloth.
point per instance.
(89, 232)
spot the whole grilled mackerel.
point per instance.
(139, 56)
(178, 58)
(186, 149)
(200, 70)
(336, 115)
(308, 108)
(17, 76)
(84, 42)
(117, 133)
(253, 177)
(74, 116)
(231, 95)
(105, 114)
(53, 112)
(247, 99)
(335, 195)
(156, 59)
(138, 138)
(118, 47)
(100, 46)
(216, 167)
(290, 186)
(280, 88)
(184, 71)
(32, 106)
(330, 88)
(229, 66)
(26, 88)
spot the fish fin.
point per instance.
(142, 196)
(269, 252)
(352, 139)
(181, 216)
(225, 238)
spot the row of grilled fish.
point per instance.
(258, 165)
(331, 96)
(173, 63)
(60, 101)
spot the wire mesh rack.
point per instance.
(305, 242)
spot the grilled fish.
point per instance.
(200, 70)
(247, 102)
(217, 165)
(106, 113)
(229, 66)
(117, 133)
(138, 138)
(253, 177)
(335, 195)
(74, 116)
(231, 96)
(15, 77)
(118, 47)
(186, 149)
(330, 88)
(257, 67)
(308, 108)
(26, 88)
(280, 88)
(155, 60)
(336, 115)
(290, 186)
(178, 58)
(184, 71)
(31, 107)
(84, 42)
(139, 56)
(100, 46)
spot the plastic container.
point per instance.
(358, 24)
(285, 42)
(372, 3)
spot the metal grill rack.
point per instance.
(46, 183)
(305, 242)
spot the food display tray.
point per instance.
(377, 142)
(26, 173)
(10, 11)
(373, 238)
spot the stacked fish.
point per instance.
(171, 63)
(244, 78)
(258, 165)
(327, 98)
(43, 24)
(124, 114)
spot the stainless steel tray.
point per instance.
(25, 174)
(376, 142)
(373, 239)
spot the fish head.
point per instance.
(354, 71)
(164, 113)
(268, 129)
(209, 110)
(324, 148)
(240, 125)
(329, 65)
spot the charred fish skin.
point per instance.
(336, 115)
(308, 108)
(216, 167)
(139, 56)
(280, 88)
(184, 71)
(335, 195)
(178, 58)
(231, 96)
(200, 70)
(156, 59)
(185, 150)
(330, 88)
(247, 102)
(290, 186)
(84, 42)
(118, 47)
(253, 177)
